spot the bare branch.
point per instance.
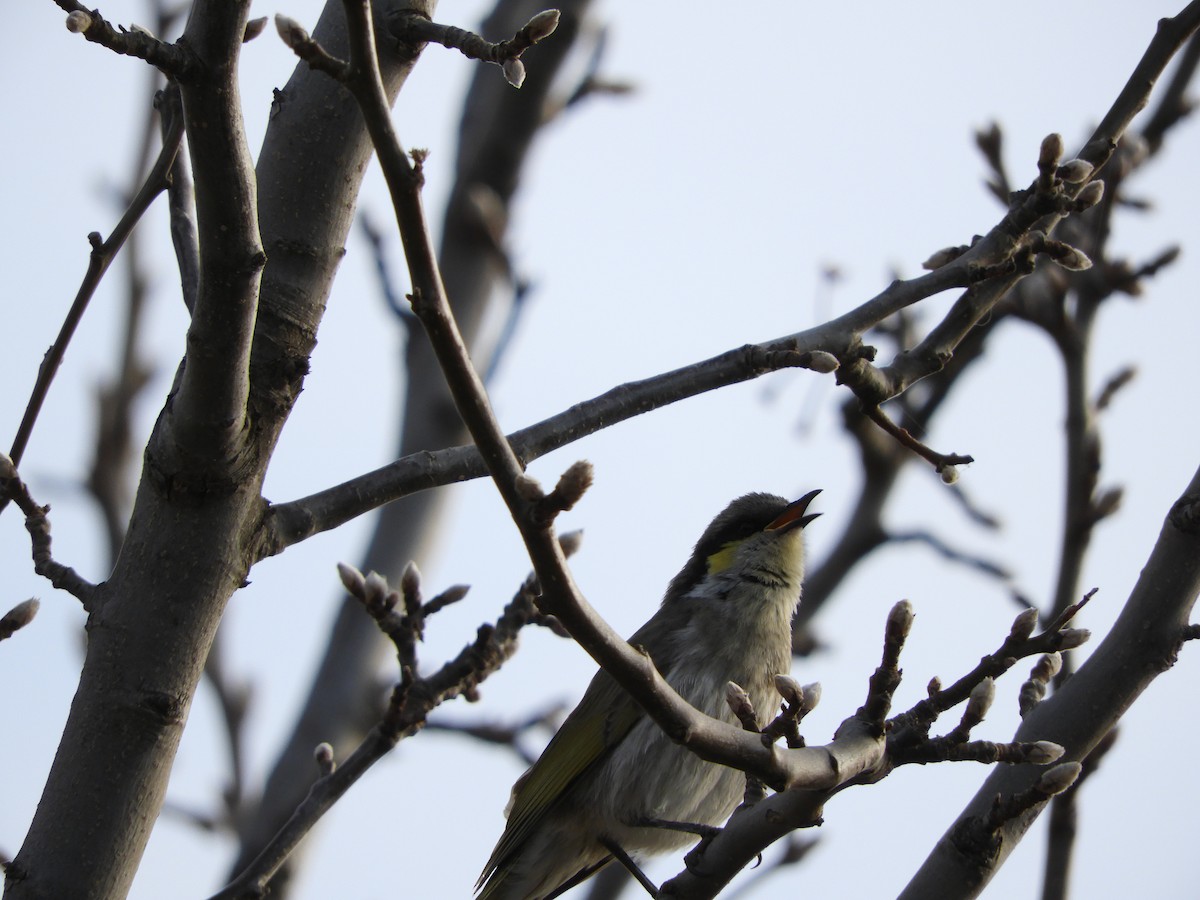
(410, 26)
(38, 525)
(175, 60)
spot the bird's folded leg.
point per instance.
(632, 867)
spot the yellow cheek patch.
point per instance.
(723, 558)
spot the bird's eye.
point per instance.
(723, 558)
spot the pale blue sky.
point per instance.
(661, 228)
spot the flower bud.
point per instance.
(375, 588)
(812, 697)
(18, 617)
(323, 754)
(980, 700)
(514, 72)
(1089, 195)
(1023, 625)
(1059, 778)
(900, 619)
(1051, 151)
(1074, 260)
(1042, 753)
(542, 25)
(1075, 171)
(351, 578)
(820, 361)
(290, 31)
(78, 22)
(1070, 638)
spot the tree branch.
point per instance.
(208, 414)
(1141, 645)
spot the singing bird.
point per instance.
(610, 777)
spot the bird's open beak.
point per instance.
(793, 514)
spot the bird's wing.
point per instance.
(603, 717)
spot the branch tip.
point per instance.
(79, 22)
(899, 622)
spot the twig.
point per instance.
(411, 702)
(175, 60)
(986, 566)
(940, 461)
(714, 740)
(382, 270)
(181, 206)
(38, 526)
(412, 27)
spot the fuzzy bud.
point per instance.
(1089, 195)
(352, 579)
(736, 696)
(1042, 753)
(942, 257)
(410, 579)
(1073, 259)
(18, 617)
(290, 31)
(514, 72)
(323, 754)
(980, 701)
(1076, 171)
(949, 474)
(819, 361)
(78, 22)
(900, 620)
(789, 689)
(542, 25)
(7, 468)
(1051, 151)
(1023, 625)
(1070, 638)
(254, 28)
(573, 483)
(375, 588)
(1049, 665)
(1059, 778)
(740, 705)
(812, 697)
(1031, 694)
(569, 542)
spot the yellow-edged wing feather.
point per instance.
(603, 717)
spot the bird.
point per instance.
(610, 779)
